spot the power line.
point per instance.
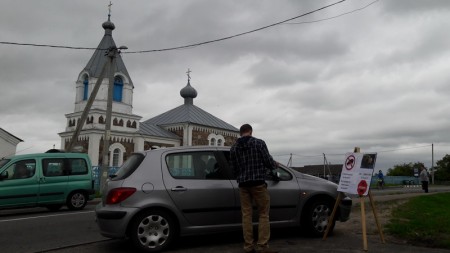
(236, 35)
(179, 47)
(45, 45)
(340, 15)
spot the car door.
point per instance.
(19, 184)
(284, 194)
(200, 190)
(53, 180)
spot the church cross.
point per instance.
(109, 8)
(189, 74)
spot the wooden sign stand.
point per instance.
(363, 215)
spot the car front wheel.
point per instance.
(153, 230)
(315, 219)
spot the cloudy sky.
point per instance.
(376, 77)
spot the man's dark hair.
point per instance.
(245, 129)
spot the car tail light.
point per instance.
(118, 195)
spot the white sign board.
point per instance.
(357, 173)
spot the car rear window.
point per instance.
(128, 167)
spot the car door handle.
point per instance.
(179, 189)
(42, 180)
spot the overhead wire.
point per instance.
(178, 47)
(236, 35)
(333, 17)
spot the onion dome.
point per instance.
(188, 93)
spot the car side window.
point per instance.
(194, 165)
(20, 170)
(54, 167)
(283, 175)
(78, 166)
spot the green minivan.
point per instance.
(46, 179)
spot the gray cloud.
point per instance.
(377, 78)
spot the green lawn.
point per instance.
(423, 220)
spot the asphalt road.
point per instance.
(38, 230)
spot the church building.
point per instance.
(185, 125)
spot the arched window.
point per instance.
(116, 154)
(216, 139)
(118, 89)
(85, 87)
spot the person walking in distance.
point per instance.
(424, 178)
(250, 159)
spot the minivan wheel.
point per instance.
(76, 201)
(315, 219)
(153, 230)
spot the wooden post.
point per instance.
(331, 218)
(380, 229)
(363, 223)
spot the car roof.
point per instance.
(48, 155)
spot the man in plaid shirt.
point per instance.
(251, 160)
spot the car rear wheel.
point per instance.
(76, 201)
(315, 219)
(153, 230)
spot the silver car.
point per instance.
(159, 194)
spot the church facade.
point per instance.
(185, 125)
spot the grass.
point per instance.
(423, 220)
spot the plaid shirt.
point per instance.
(250, 159)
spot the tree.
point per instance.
(443, 169)
(406, 169)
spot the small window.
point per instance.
(194, 165)
(85, 88)
(219, 142)
(116, 154)
(118, 89)
(212, 142)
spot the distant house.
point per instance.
(330, 172)
(8, 143)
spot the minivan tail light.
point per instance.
(118, 195)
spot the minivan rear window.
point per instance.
(128, 167)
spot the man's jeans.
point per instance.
(260, 196)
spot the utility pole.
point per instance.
(110, 64)
(112, 55)
(432, 163)
(289, 164)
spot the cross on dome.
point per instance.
(188, 72)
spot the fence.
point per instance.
(96, 175)
(398, 180)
